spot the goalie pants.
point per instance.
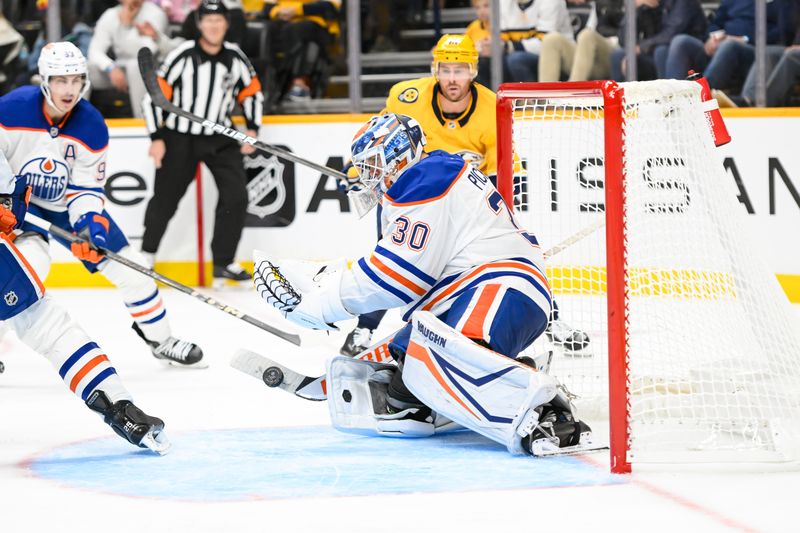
(222, 157)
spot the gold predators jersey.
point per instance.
(472, 135)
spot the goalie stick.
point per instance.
(147, 69)
(274, 374)
(71, 237)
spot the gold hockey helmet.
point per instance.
(455, 49)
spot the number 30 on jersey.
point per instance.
(412, 234)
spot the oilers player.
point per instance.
(458, 116)
(57, 141)
(473, 287)
(44, 326)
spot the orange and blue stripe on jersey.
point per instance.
(20, 286)
(74, 192)
(396, 275)
(85, 369)
(451, 287)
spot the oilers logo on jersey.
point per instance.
(48, 178)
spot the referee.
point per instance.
(206, 77)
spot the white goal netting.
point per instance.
(713, 347)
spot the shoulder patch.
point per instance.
(408, 96)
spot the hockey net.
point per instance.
(694, 352)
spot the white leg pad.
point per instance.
(473, 386)
(357, 402)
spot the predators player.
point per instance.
(458, 116)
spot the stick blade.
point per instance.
(274, 374)
(147, 68)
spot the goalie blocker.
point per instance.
(461, 384)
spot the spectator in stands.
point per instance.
(177, 10)
(589, 56)
(122, 31)
(524, 23)
(73, 30)
(480, 32)
(10, 46)
(300, 33)
(381, 25)
(727, 53)
(237, 26)
(783, 69)
(657, 22)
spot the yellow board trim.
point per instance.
(563, 280)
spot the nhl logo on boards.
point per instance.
(11, 298)
(268, 180)
(270, 191)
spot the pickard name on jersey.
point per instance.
(64, 163)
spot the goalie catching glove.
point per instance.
(306, 294)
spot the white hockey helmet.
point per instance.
(61, 59)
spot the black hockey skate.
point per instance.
(574, 342)
(356, 342)
(130, 422)
(558, 433)
(175, 351)
(232, 275)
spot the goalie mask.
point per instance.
(382, 150)
(61, 59)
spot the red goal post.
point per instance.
(694, 348)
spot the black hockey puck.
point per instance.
(273, 376)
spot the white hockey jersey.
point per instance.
(65, 163)
(445, 230)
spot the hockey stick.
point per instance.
(274, 374)
(572, 239)
(71, 237)
(148, 70)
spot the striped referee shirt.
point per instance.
(207, 86)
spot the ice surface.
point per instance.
(249, 458)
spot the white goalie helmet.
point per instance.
(384, 148)
(61, 59)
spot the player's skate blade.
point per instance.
(130, 422)
(558, 433)
(156, 441)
